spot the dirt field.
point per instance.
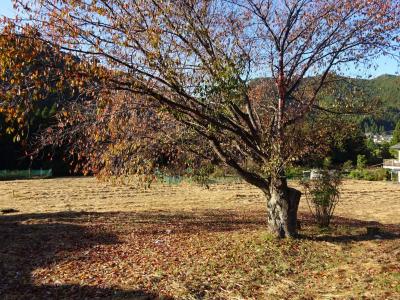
(363, 200)
(77, 238)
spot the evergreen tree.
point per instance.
(396, 134)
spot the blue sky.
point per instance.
(6, 8)
(385, 65)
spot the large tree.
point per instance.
(196, 59)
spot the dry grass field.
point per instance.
(77, 238)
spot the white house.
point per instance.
(380, 138)
(393, 164)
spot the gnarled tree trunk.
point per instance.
(282, 204)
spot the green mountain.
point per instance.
(387, 89)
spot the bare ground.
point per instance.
(77, 238)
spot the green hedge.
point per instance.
(370, 174)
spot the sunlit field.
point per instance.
(73, 238)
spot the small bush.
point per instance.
(361, 161)
(322, 195)
(202, 175)
(347, 165)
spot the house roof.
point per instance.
(396, 147)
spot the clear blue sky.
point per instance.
(6, 8)
(385, 65)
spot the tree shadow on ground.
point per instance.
(216, 220)
(35, 241)
(153, 222)
(344, 230)
(219, 220)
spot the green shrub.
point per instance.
(347, 165)
(370, 174)
(356, 174)
(322, 195)
(361, 161)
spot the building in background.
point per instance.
(380, 138)
(393, 164)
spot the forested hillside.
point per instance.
(387, 89)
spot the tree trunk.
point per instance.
(282, 204)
